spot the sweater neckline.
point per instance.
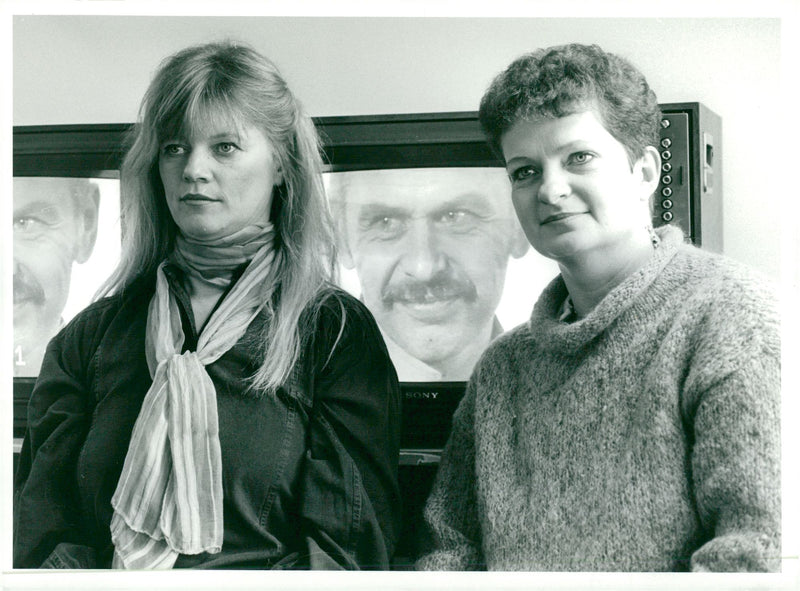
(545, 322)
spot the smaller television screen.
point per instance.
(66, 235)
(439, 258)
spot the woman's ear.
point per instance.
(649, 168)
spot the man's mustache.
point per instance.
(26, 288)
(443, 286)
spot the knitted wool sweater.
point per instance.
(643, 437)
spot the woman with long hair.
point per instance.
(222, 405)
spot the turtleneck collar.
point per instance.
(546, 323)
(214, 261)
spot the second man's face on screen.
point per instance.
(430, 247)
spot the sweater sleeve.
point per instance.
(735, 391)
(48, 525)
(350, 514)
(452, 537)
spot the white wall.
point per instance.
(94, 69)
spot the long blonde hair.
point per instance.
(234, 81)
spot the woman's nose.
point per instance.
(554, 186)
(197, 167)
(422, 255)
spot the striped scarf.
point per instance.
(168, 499)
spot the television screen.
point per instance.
(66, 236)
(439, 258)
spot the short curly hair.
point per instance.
(566, 79)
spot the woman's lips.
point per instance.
(560, 216)
(196, 197)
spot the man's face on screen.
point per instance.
(430, 247)
(55, 224)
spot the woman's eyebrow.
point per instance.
(226, 135)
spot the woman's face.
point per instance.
(218, 180)
(573, 186)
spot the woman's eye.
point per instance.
(582, 157)
(226, 148)
(173, 149)
(522, 174)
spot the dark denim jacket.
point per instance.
(309, 475)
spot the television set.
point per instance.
(427, 236)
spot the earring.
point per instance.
(653, 236)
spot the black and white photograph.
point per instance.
(484, 296)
